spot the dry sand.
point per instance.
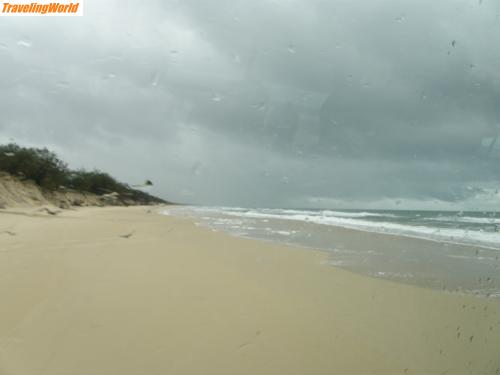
(126, 291)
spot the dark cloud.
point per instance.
(268, 103)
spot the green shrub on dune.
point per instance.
(50, 173)
(37, 164)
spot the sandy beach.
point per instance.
(128, 291)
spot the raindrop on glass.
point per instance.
(24, 43)
(155, 79)
(63, 84)
(196, 168)
(401, 18)
(261, 106)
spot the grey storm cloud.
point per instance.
(266, 103)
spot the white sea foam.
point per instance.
(359, 221)
(355, 214)
(467, 219)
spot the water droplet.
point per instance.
(24, 43)
(63, 84)
(3, 46)
(401, 18)
(259, 106)
(216, 97)
(291, 48)
(155, 80)
(365, 84)
(453, 43)
(174, 52)
(196, 168)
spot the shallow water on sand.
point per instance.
(424, 249)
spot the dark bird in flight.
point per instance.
(128, 235)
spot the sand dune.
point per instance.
(127, 291)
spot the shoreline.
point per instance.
(126, 290)
(373, 230)
(456, 268)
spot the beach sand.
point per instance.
(128, 291)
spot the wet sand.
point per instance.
(452, 267)
(128, 291)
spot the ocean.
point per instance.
(461, 252)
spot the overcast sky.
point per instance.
(317, 103)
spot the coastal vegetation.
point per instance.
(50, 173)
